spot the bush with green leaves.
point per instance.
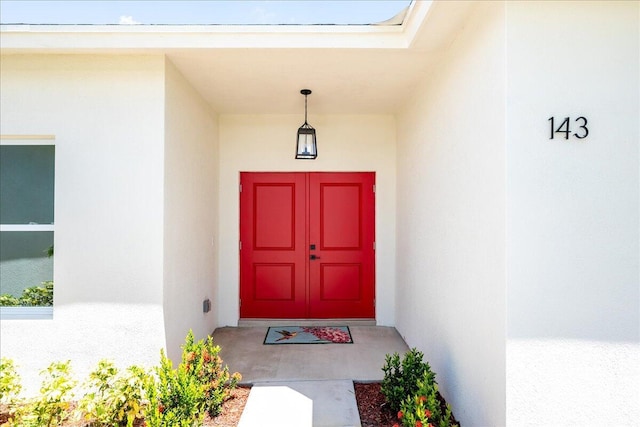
(401, 377)
(35, 296)
(201, 360)
(7, 300)
(53, 405)
(423, 408)
(10, 385)
(114, 398)
(176, 397)
(167, 397)
(38, 296)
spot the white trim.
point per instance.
(168, 38)
(27, 227)
(27, 139)
(26, 313)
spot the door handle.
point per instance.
(313, 257)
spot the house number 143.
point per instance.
(565, 127)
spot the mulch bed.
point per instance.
(231, 409)
(371, 405)
(373, 409)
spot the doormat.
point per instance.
(308, 335)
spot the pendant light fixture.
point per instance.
(306, 147)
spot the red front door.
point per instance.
(307, 245)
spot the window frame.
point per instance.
(22, 312)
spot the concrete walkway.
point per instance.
(305, 385)
(316, 403)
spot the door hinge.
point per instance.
(240, 244)
(374, 303)
(374, 246)
(241, 188)
(374, 188)
(240, 303)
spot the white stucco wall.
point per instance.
(573, 297)
(190, 212)
(257, 143)
(107, 115)
(450, 294)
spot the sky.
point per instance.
(199, 12)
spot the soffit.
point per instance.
(260, 70)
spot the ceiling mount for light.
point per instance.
(306, 146)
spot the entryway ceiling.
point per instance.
(376, 77)
(269, 81)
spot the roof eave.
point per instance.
(18, 38)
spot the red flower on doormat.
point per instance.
(328, 334)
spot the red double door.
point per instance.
(307, 245)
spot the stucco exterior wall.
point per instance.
(257, 143)
(190, 212)
(107, 115)
(450, 292)
(573, 319)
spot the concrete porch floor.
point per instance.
(243, 351)
(314, 382)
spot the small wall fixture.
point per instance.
(306, 147)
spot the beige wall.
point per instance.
(107, 115)
(573, 283)
(518, 265)
(450, 291)
(190, 212)
(135, 209)
(345, 143)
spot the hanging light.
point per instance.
(306, 146)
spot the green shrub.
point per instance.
(169, 397)
(53, 405)
(114, 399)
(401, 378)
(201, 360)
(10, 385)
(176, 397)
(35, 296)
(38, 296)
(179, 397)
(423, 407)
(7, 300)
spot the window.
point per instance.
(27, 179)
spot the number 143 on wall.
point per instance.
(565, 127)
